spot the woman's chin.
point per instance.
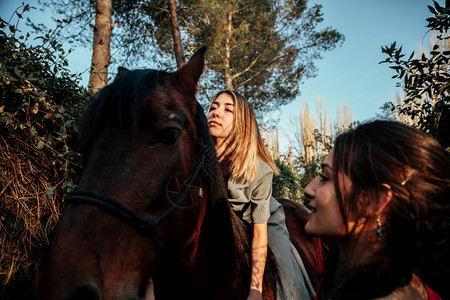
(309, 228)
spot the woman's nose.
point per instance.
(308, 192)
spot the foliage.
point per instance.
(251, 44)
(425, 80)
(133, 41)
(308, 170)
(286, 184)
(386, 111)
(40, 102)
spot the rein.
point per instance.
(145, 224)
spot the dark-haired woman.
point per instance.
(382, 195)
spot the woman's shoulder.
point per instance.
(264, 174)
(416, 289)
(263, 168)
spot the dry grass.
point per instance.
(27, 214)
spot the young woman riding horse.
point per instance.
(248, 169)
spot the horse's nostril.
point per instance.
(85, 292)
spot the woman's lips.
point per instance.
(214, 123)
(312, 209)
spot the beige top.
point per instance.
(257, 191)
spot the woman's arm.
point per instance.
(258, 259)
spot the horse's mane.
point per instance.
(219, 212)
(118, 105)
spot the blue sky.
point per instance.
(350, 74)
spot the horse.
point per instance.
(151, 202)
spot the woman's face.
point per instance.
(220, 117)
(325, 219)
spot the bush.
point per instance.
(425, 80)
(286, 184)
(39, 104)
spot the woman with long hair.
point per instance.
(248, 170)
(383, 196)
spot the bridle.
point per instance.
(144, 224)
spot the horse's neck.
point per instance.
(215, 252)
(232, 239)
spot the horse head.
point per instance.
(138, 211)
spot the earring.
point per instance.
(379, 230)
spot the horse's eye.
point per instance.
(169, 135)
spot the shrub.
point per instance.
(39, 104)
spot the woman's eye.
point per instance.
(323, 177)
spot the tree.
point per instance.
(425, 80)
(313, 141)
(127, 44)
(344, 119)
(286, 184)
(101, 53)
(308, 133)
(177, 48)
(263, 48)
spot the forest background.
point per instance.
(250, 49)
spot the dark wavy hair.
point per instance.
(416, 168)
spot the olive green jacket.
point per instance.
(256, 192)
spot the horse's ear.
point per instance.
(189, 74)
(120, 71)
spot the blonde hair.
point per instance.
(244, 144)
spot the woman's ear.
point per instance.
(384, 197)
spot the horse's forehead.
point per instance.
(170, 103)
(172, 116)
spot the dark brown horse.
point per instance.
(151, 202)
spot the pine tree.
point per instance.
(263, 48)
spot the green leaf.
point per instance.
(50, 191)
(17, 72)
(431, 9)
(40, 145)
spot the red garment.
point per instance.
(432, 295)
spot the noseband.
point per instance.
(145, 224)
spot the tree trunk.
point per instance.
(176, 34)
(227, 66)
(101, 54)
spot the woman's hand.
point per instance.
(258, 259)
(149, 291)
(254, 295)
